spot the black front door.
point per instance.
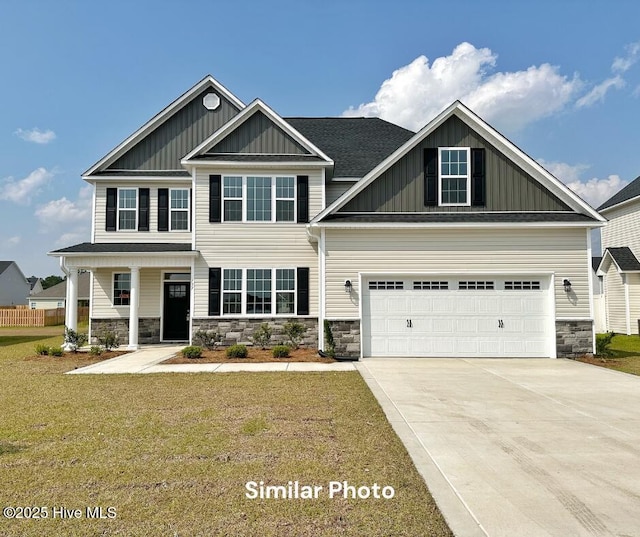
(176, 312)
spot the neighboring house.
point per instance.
(446, 242)
(55, 296)
(14, 287)
(620, 268)
(35, 285)
(599, 308)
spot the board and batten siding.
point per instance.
(562, 251)
(253, 245)
(335, 189)
(153, 235)
(623, 228)
(401, 187)
(150, 294)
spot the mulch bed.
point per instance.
(255, 356)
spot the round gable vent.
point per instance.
(211, 101)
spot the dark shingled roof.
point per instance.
(59, 290)
(259, 158)
(468, 217)
(143, 173)
(632, 190)
(4, 265)
(595, 262)
(624, 258)
(356, 144)
(124, 247)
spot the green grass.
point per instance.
(173, 452)
(625, 355)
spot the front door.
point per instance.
(176, 311)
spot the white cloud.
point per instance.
(563, 171)
(67, 239)
(71, 219)
(24, 190)
(36, 136)
(12, 241)
(596, 191)
(417, 92)
(622, 65)
(598, 92)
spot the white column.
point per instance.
(133, 308)
(72, 300)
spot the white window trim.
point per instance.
(273, 200)
(135, 210)
(440, 176)
(274, 292)
(113, 290)
(187, 210)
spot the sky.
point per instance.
(560, 79)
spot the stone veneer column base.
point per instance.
(148, 329)
(346, 336)
(574, 338)
(240, 330)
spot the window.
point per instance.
(522, 285)
(33, 305)
(60, 304)
(127, 208)
(255, 291)
(475, 285)
(386, 285)
(454, 176)
(259, 199)
(179, 209)
(431, 286)
(121, 288)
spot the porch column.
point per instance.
(134, 294)
(71, 313)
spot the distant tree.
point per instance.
(50, 281)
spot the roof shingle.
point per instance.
(624, 258)
(632, 190)
(124, 247)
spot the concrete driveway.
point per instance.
(519, 447)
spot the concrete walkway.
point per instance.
(147, 360)
(519, 447)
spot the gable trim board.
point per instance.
(492, 136)
(160, 118)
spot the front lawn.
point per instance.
(172, 454)
(625, 356)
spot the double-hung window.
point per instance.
(179, 209)
(454, 176)
(258, 291)
(259, 199)
(127, 208)
(121, 288)
(232, 291)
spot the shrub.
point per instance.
(294, 331)
(602, 345)
(74, 339)
(206, 339)
(109, 340)
(330, 344)
(262, 336)
(42, 350)
(237, 351)
(55, 351)
(95, 350)
(280, 351)
(192, 351)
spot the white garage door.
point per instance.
(457, 316)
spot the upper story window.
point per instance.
(179, 208)
(127, 208)
(259, 199)
(454, 176)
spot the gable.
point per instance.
(163, 148)
(401, 187)
(258, 134)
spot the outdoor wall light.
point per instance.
(348, 286)
(567, 286)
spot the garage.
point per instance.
(457, 316)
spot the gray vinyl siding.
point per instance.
(352, 251)
(14, 288)
(401, 188)
(615, 300)
(259, 134)
(335, 189)
(163, 148)
(153, 235)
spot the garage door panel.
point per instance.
(442, 326)
(466, 305)
(443, 305)
(467, 325)
(488, 305)
(420, 305)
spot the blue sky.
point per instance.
(560, 79)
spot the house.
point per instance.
(599, 308)
(14, 287)
(55, 296)
(222, 215)
(619, 267)
(35, 285)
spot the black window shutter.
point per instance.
(215, 198)
(191, 209)
(303, 290)
(478, 178)
(431, 176)
(303, 198)
(214, 290)
(143, 209)
(112, 200)
(163, 209)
